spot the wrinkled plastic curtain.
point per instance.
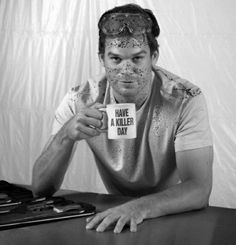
(46, 47)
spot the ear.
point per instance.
(101, 59)
(155, 57)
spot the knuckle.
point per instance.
(94, 132)
(95, 220)
(100, 215)
(100, 115)
(99, 123)
(97, 114)
(105, 222)
(78, 127)
(137, 220)
(79, 118)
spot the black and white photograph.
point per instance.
(117, 122)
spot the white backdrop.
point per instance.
(46, 47)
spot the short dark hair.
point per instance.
(132, 8)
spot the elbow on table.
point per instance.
(203, 196)
(42, 190)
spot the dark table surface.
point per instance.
(212, 225)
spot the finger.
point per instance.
(88, 131)
(89, 219)
(94, 113)
(95, 220)
(107, 221)
(120, 224)
(133, 225)
(101, 130)
(98, 106)
(104, 120)
(89, 121)
(102, 109)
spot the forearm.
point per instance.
(51, 166)
(185, 196)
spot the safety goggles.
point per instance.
(117, 23)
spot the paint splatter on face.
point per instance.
(128, 64)
(127, 42)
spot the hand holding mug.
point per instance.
(87, 123)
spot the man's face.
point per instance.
(128, 64)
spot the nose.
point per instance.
(127, 68)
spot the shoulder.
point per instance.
(175, 86)
(89, 92)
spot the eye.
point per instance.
(137, 59)
(116, 59)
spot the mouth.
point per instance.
(128, 84)
(127, 81)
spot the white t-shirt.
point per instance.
(173, 118)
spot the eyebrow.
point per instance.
(136, 54)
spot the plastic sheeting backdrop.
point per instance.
(46, 47)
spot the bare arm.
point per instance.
(195, 169)
(50, 168)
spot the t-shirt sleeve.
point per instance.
(193, 129)
(63, 113)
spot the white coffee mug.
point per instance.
(121, 121)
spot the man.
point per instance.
(168, 167)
